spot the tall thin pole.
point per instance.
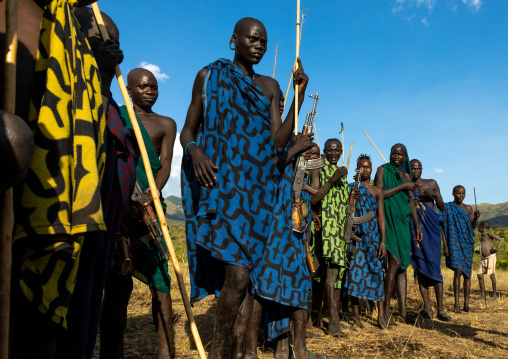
(297, 56)
(342, 131)
(375, 146)
(275, 62)
(6, 204)
(349, 157)
(154, 191)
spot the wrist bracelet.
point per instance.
(185, 150)
(384, 245)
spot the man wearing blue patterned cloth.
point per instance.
(364, 279)
(459, 222)
(231, 136)
(426, 256)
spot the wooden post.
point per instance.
(375, 147)
(6, 205)
(154, 191)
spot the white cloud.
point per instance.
(475, 4)
(438, 170)
(425, 22)
(156, 70)
(172, 187)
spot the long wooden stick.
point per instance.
(296, 62)
(275, 62)
(154, 191)
(342, 131)
(349, 157)
(6, 198)
(375, 146)
(297, 56)
(476, 206)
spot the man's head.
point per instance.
(484, 226)
(250, 40)
(416, 168)
(398, 155)
(459, 193)
(89, 27)
(364, 164)
(143, 88)
(333, 150)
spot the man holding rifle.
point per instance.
(330, 246)
(364, 279)
(149, 255)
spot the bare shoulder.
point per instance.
(376, 192)
(468, 208)
(167, 123)
(406, 176)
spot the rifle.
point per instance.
(150, 219)
(351, 220)
(302, 166)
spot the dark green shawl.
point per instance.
(397, 213)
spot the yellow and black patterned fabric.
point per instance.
(60, 199)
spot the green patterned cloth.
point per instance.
(329, 245)
(397, 213)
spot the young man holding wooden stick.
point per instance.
(159, 134)
(229, 180)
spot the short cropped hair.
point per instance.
(457, 187)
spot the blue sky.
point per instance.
(432, 74)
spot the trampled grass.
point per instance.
(482, 333)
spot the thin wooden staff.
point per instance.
(275, 62)
(296, 62)
(375, 146)
(6, 198)
(342, 131)
(297, 56)
(349, 157)
(154, 191)
(476, 206)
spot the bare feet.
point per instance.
(443, 316)
(282, 349)
(494, 297)
(466, 308)
(426, 314)
(456, 309)
(358, 322)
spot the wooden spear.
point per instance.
(296, 63)
(154, 191)
(349, 157)
(6, 204)
(275, 63)
(297, 56)
(342, 131)
(375, 146)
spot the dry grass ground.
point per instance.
(482, 333)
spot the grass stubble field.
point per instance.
(482, 333)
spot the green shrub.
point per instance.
(502, 264)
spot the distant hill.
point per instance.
(496, 214)
(174, 208)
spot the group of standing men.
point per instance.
(73, 208)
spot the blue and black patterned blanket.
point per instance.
(460, 238)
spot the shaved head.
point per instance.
(245, 24)
(136, 74)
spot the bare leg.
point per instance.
(113, 321)
(333, 296)
(251, 344)
(402, 291)
(441, 313)
(494, 287)
(393, 267)
(300, 335)
(282, 348)
(239, 331)
(481, 283)
(456, 289)
(162, 312)
(318, 294)
(232, 293)
(467, 292)
(380, 315)
(355, 302)
(424, 290)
